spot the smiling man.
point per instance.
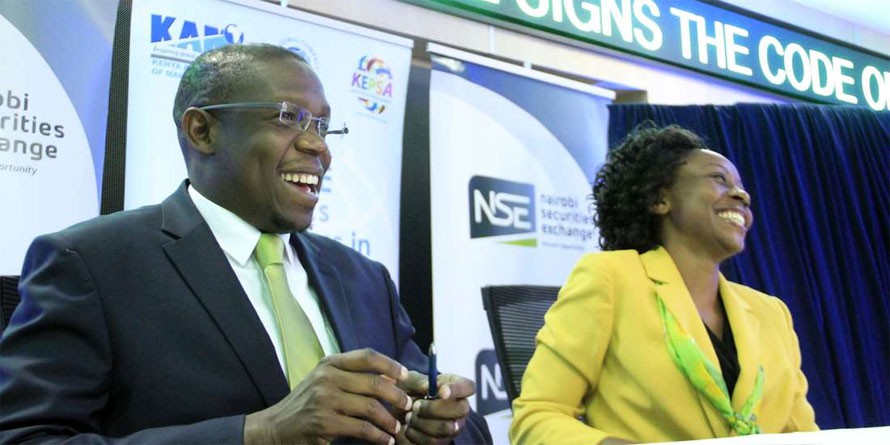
(214, 317)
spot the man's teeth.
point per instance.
(300, 178)
(733, 217)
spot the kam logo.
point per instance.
(169, 31)
(372, 82)
(501, 207)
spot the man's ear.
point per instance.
(663, 205)
(195, 126)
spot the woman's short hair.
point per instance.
(628, 184)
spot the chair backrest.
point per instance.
(515, 315)
(9, 298)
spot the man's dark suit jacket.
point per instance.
(134, 326)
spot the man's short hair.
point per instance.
(219, 75)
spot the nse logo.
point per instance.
(187, 34)
(372, 81)
(491, 394)
(500, 207)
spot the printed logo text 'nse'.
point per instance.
(500, 207)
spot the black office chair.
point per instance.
(9, 298)
(515, 315)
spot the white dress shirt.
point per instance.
(238, 239)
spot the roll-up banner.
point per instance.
(513, 153)
(364, 74)
(56, 59)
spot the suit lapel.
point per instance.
(195, 253)
(746, 332)
(669, 286)
(325, 280)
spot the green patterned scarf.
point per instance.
(706, 378)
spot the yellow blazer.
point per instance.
(602, 354)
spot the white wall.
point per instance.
(663, 84)
(799, 13)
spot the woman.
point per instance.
(647, 341)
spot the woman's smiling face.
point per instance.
(706, 208)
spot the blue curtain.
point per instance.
(819, 177)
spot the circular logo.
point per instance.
(233, 34)
(303, 49)
(372, 81)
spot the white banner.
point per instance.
(53, 109)
(513, 154)
(364, 74)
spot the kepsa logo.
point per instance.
(372, 82)
(501, 207)
(181, 40)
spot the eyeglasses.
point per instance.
(289, 114)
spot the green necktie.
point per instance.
(301, 348)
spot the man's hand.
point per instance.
(440, 420)
(341, 397)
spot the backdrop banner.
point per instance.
(513, 153)
(364, 73)
(53, 105)
(825, 166)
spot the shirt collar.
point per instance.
(235, 236)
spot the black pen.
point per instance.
(432, 374)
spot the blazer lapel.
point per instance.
(746, 332)
(670, 287)
(325, 280)
(203, 265)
